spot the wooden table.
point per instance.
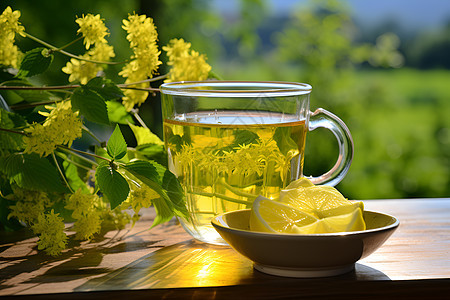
(166, 263)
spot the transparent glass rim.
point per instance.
(227, 88)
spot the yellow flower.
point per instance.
(86, 212)
(82, 71)
(10, 55)
(81, 203)
(93, 29)
(140, 196)
(142, 36)
(9, 23)
(50, 228)
(141, 30)
(177, 48)
(189, 68)
(29, 204)
(87, 225)
(62, 126)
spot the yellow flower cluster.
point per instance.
(50, 228)
(10, 54)
(141, 196)
(28, 205)
(83, 70)
(94, 31)
(187, 64)
(62, 126)
(142, 36)
(86, 213)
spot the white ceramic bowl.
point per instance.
(296, 255)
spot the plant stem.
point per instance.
(61, 172)
(39, 88)
(56, 49)
(88, 131)
(74, 162)
(222, 197)
(235, 190)
(85, 153)
(35, 104)
(141, 89)
(13, 131)
(71, 43)
(144, 81)
(138, 118)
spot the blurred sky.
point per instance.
(409, 14)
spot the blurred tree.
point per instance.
(393, 139)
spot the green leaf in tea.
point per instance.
(90, 104)
(30, 171)
(284, 141)
(112, 184)
(35, 62)
(116, 146)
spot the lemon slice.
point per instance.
(302, 182)
(320, 201)
(307, 209)
(272, 216)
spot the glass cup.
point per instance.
(230, 141)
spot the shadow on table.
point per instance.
(194, 264)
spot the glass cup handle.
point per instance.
(325, 119)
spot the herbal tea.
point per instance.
(224, 161)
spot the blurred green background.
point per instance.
(386, 73)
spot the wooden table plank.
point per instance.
(165, 261)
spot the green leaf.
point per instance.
(90, 104)
(10, 141)
(116, 146)
(117, 113)
(145, 136)
(29, 96)
(30, 171)
(105, 88)
(165, 184)
(35, 62)
(112, 184)
(284, 141)
(175, 192)
(73, 177)
(150, 150)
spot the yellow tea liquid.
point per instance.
(224, 160)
